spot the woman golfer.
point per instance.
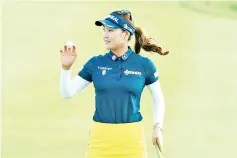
(119, 77)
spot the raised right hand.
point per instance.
(68, 56)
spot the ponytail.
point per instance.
(142, 41)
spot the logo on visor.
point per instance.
(113, 18)
(126, 27)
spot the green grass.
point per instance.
(233, 7)
(222, 9)
(198, 78)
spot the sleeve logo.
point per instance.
(156, 74)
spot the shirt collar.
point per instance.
(124, 57)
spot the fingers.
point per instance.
(68, 50)
(154, 141)
(74, 50)
(65, 48)
(159, 144)
(61, 51)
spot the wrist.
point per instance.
(66, 67)
(158, 126)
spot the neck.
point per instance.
(120, 51)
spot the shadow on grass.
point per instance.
(233, 7)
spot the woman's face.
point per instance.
(114, 38)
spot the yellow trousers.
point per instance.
(116, 141)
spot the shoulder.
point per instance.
(144, 60)
(96, 58)
(148, 66)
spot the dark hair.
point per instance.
(142, 40)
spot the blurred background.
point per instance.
(198, 77)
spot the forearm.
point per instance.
(158, 111)
(68, 87)
(158, 104)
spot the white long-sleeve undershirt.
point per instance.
(69, 87)
(158, 103)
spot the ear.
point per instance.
(127, 34)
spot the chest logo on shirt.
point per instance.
(127, 72)
(104, 69)
(103, 72)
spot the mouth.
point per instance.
(107, 42)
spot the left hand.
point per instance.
(157, 137)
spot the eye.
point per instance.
(111, 30)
